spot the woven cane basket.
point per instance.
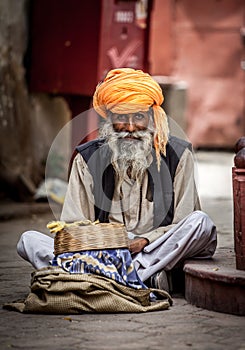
(90, 237)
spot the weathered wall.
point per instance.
(200, 43)
(28, 123)
(208, 56)
(161, 48)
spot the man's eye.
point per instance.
(122, 118)
(139, 116)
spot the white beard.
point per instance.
(129, 157)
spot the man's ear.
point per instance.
(151, 115)
(151, 125)
(109, 114)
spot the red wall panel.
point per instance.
(74, 43)
(64, 46)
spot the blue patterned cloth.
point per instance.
(112, 263)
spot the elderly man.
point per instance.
(139, 175)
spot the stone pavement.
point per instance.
(183, 326)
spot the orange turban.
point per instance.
(126, 90)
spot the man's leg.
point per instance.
(36, 247)
(194, 236)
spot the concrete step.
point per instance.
(215, 284)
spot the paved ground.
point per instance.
(183, 326)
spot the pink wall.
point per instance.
(200, 42)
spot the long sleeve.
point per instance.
(186, 199)
(79, 199)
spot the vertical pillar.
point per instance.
(238, 177)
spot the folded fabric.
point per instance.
(112, 263)
(55, 291)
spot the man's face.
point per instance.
(130, 122)
(129, 136)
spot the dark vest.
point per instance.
(97, 155)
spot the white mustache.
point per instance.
(135, 134)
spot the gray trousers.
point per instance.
(193, 237)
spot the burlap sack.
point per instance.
(54, 291)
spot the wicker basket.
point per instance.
(90, 237)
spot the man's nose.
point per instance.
(130, 126)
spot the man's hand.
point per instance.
(136, 245)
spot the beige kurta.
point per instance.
(138, 210)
